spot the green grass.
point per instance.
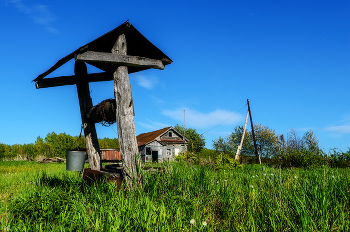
(252, 198)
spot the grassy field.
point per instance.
(45, 197)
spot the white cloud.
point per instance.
(153, 125)
(345, 129)
(198, 119)
(146, 82)
(40, 14)
(156, 100)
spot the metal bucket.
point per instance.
(75, 160)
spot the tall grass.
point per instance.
(184, 198)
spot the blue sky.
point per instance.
(289, 58)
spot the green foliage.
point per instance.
(224, 161)
(252, 198)
(338, 158)
(197, 142)
(181, 157)
(266, 140)
(109, 143)
(299, 152)
(52, 145)
(295, 151)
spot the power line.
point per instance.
(225, 120)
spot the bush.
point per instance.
(339, 159)
(224, 161)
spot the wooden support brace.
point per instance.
(85, 102)
(72, 80)
(118, 59)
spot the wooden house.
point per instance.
(160, 145)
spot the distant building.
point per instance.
(163, 144)
(110, 155)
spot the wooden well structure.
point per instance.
(119, 52)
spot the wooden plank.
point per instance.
(85, 102)
(71, 80)
(118, 59)
(124, 116)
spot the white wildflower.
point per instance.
(204, 223)
(296, 177)
(192, 221)
(252, 186)
(333, 176)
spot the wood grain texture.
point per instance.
(118, 59)
(125, 117)
(72, 80)
(85, 102)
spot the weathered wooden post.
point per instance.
(125, 115)
(119, 52)
(85, 103)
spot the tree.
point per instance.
(267, 141)
(310, 141)
(197, 141)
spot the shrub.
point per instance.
(224, 161)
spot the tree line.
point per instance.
(51, 146)
(291, 150)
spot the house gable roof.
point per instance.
(145, 138)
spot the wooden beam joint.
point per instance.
(118, 59)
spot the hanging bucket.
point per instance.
(75, 160)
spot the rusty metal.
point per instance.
(110, 154)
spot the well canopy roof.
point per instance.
(137, 45)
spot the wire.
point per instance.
(225, 120)
(114, 130)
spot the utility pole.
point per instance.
(184, 130)
(241, 144)
(251, 122)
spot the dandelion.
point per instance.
(192, 221)
(204, 223)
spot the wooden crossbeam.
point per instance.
(71, 80)
(124, 60)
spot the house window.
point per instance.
(170, 134)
